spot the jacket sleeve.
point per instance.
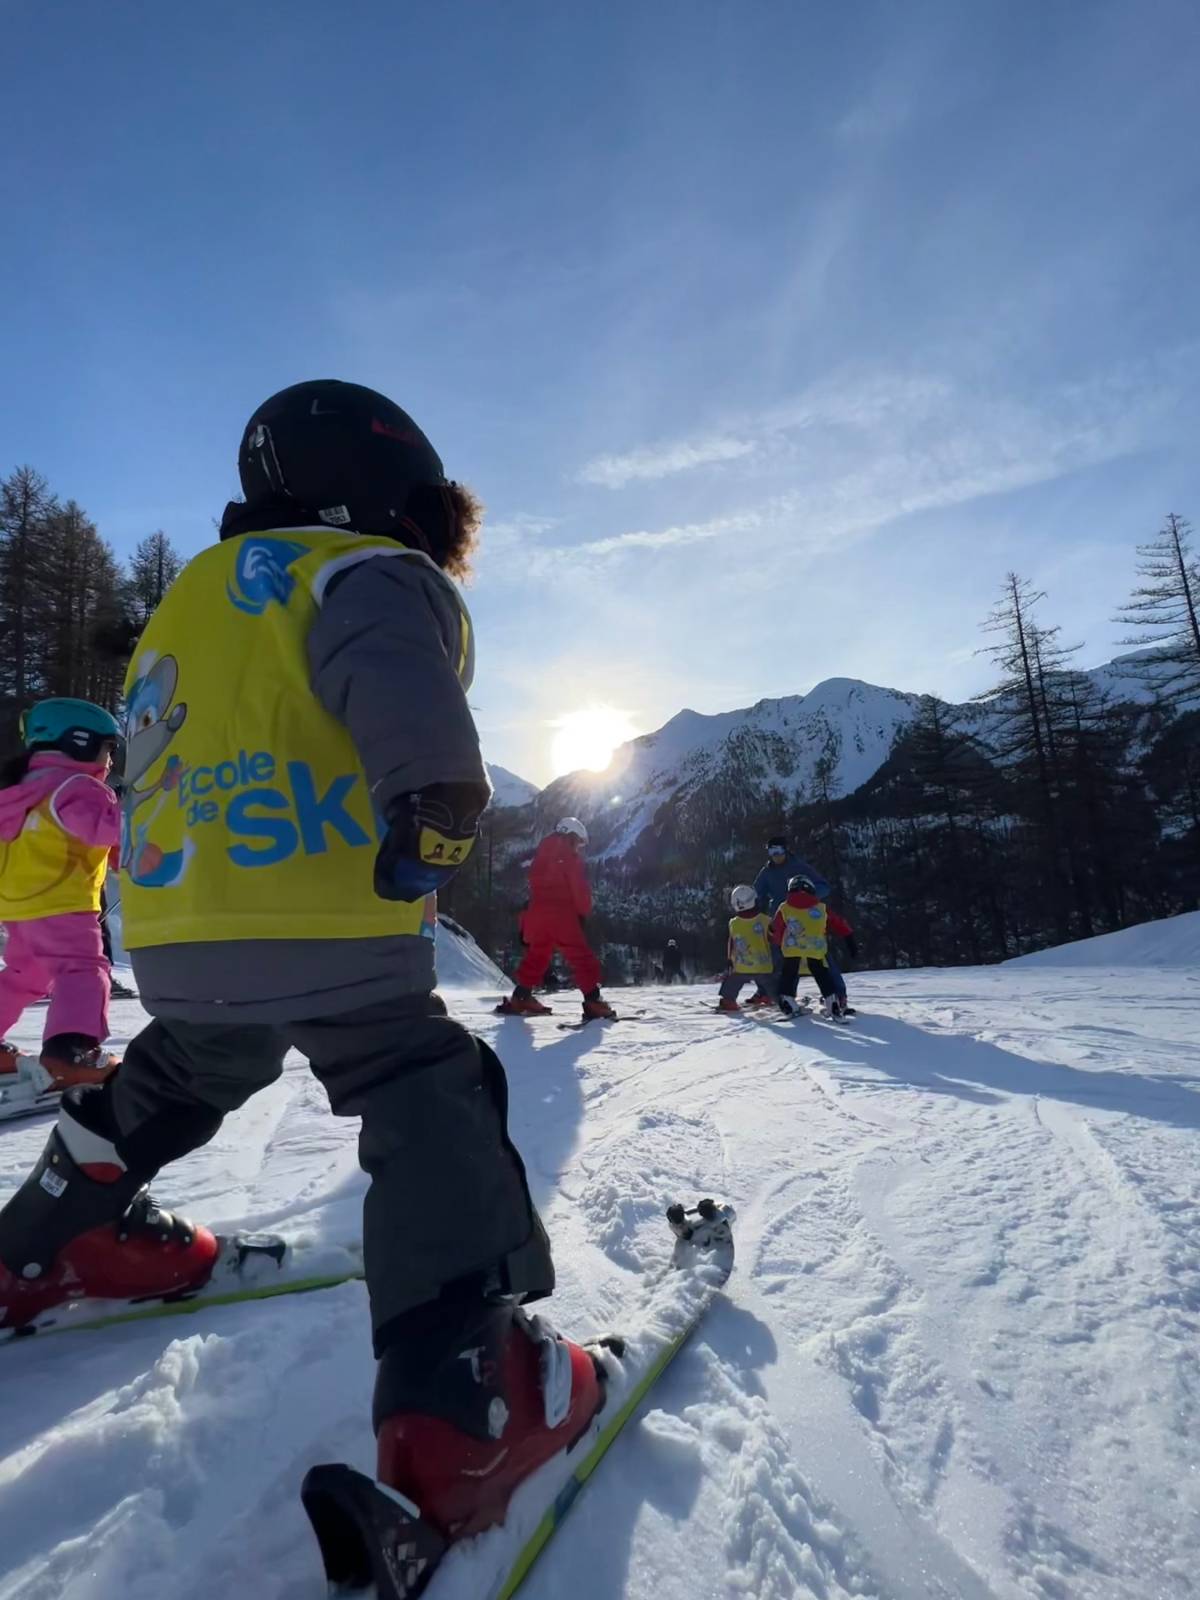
(838, 925)
(777, 928)
(820, 884)
(88, 810)
(761, 890)
(581, 889)
(382, 659)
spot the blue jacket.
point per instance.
(771, 885)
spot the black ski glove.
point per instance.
(430, 835)
(851, 944)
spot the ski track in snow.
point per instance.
(956, 1359)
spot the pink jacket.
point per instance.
(85, 806)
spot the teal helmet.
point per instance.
(75, 727)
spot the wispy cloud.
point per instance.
(680, 533)
(847, 457)
(883, 445)
(661, 461)
(522, 525)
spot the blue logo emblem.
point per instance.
(262, 574)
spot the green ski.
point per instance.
(373, 1537)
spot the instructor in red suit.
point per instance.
(559, 899)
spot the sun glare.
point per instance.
(586, 739)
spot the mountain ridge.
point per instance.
(820, 745)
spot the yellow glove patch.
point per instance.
(436, 850)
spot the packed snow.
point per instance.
(1169, 942)
(956, 1359)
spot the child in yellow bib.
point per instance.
(302, 773)
(748, 952)
(801, 929)
(59, 822)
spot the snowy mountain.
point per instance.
(509, 790)
(681, 815)
(829, 741)
(796, 750)
(955, 1360)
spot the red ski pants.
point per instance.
(551, 928)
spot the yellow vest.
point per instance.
(749, 944)
(246, 813)
(804, 930)
(46, 871)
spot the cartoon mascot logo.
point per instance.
(151, 723)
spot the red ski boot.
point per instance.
(757, 1000)
(72, 1058)
(82, 1226)
(459, 1433)
(596, 1006)
(730, 1006)
(521, 1003)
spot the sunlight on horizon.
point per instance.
(586, 739)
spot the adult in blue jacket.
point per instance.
(771, 887)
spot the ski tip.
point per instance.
(369, 1535)
(706, 1224)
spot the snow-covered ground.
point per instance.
(957, 1357)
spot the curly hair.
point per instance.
(468, 521)
(445, 519)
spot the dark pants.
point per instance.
(733, 983)
(448, 1199)
(105, 933)
(790, 977)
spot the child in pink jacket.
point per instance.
(59, 822)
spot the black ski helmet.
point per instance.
(343, 454)
(805, 885)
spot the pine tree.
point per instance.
(153, 568)
(952, 781)
(83, 582)
(1024, 740)
(1165, 611)
(26, 507)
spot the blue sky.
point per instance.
(772, 334)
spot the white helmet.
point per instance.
(743, 898)
(573, 826)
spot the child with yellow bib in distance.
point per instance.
(59, 822)
(748, 952)
(801, 928)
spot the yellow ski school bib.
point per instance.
(749, 944)
(46, 871)
(246, 811)
(804, 930)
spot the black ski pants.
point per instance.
(448, 1200)
(790, 976)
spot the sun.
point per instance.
(586, 739)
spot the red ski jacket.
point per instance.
(558, 878)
